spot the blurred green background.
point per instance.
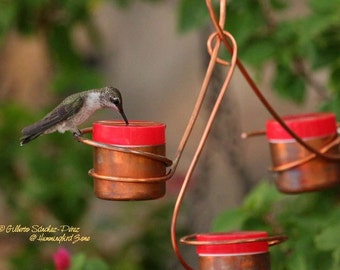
(50, 49)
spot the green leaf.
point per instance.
(77, 11)
(230, 220)
(8, 11)
(325, 6)
(334, 79)
(96, 264)
(278, 4)
(260, 200)
(78, 261)
(297, 261)
(191, 14)
(256, 205)
(61, 46)
(288, 85)
(245, 22)
(326, 48)
(336, 256)
(258, 52)
(329, 238)
(332, 105)
(75, 77)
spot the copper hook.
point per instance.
(207, 129)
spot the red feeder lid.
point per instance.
(235, 248)
(312, 125)
(137, 133)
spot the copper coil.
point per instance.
(130, 179)
(272, 240)
(318, 152)
(125, 173)
(167, 162)
(323, 150)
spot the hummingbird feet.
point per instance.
(77, 134)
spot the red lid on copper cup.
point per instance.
(232, 248)
(312, 125)
(137, 133)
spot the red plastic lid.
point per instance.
(238, 248)
(137, 133)
(312, 125)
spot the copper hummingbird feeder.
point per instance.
(129, 160)
(297, 169)
(233, 250)
(136, 171)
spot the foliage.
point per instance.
(50, 177)
(46, 181)
(47, 177)
(297, 47)
(49, 173)
(151, 247)
(311, 222)
(191, 14)
(81, 262)
(128, 3)
(57, 21)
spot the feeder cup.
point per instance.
(129, 163)
(297, 169)
(239, 250)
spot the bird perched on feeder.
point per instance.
(73, 111)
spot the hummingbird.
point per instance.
(73, 111)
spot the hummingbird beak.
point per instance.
(123, 115)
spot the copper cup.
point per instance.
(295, 171)
(234, 250)
(131, 171)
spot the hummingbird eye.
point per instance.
(115, 100)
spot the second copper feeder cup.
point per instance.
(233, 250)
(297, 169)
(129, 160)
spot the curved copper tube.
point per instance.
(213, 61)
(276, 116)
(84, 140)
(335, 141)
(130, 180)
(272, 240)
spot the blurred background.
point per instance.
(155, 53)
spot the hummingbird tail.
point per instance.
(33, 131)
(27, 138)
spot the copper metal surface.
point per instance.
(271, 240)
(128, 173)
(213, 60)
(298, 170)
(260, 261)
(167, 162)
(123, 165)
(214, 43)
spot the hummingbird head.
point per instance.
(112, 98)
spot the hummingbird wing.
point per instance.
(68, 108)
